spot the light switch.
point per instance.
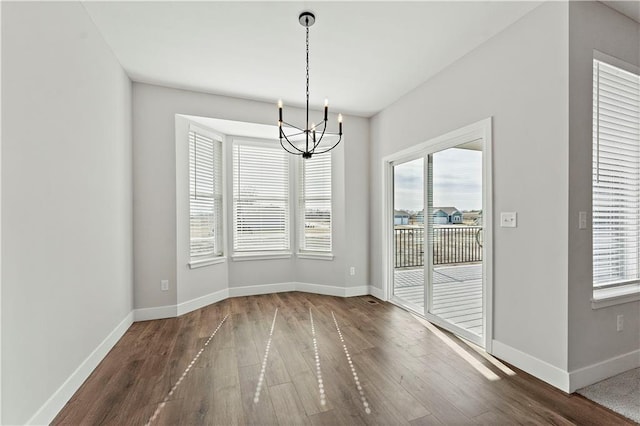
(508, 219)
(582, 220)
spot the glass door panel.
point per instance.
(454, 200)
(408, 235)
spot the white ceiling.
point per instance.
(630, 8)
(364, 55)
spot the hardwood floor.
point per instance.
(206, 368)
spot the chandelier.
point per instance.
(311, 136)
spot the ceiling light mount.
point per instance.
(308, 134)
(307, 19)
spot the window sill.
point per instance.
(241, 257)
(315, 256)
(615, 296)
(206, 262)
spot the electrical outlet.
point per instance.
(352, 270)
(620, 323)
(164, 285)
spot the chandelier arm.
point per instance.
(291, 125)
(324, 128)
(301, 132)
(322, 123)
(289, 142)
(334, 145)
(316, 127)
(294, 147)
(290, 152)
(315, 145)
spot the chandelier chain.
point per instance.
(307, 64)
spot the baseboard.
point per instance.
(253, 290)
(376, 292)
(542, 370)
(200, 302)
(61, 396)
(362, 290)
(332, 290)
(325, 289)
(603, 370)
(171, 311)
(160, 312)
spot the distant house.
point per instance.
(400, 217)
(473, 217)
(446, 215)
(417, 218)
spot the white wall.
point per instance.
(66, 199)
(520, 78)
(593, 337)
(155, 203)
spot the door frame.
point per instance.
(481, 130)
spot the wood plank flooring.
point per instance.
(384, 368)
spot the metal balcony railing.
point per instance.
(451, 244)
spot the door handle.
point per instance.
(478, 237)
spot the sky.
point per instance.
(457, 181)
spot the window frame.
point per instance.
(304, 253)
(242, 255)
(219, 255)
(612, 293)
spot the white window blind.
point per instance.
(315, 204)
(260, 198)
(616, 175)
(205, 196)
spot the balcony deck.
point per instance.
(457, 293)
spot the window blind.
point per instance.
(260, 198)
(205, 196)
(616, 175)
(315, 203)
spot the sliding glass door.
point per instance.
(454, 200)
(408, 235)
(437, 246)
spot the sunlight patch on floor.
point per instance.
(506, 370)
(487, 373)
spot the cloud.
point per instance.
(457, 176)
(408, 185)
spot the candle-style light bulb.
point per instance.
(280, 110)
(340, 123)
(326, 109)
